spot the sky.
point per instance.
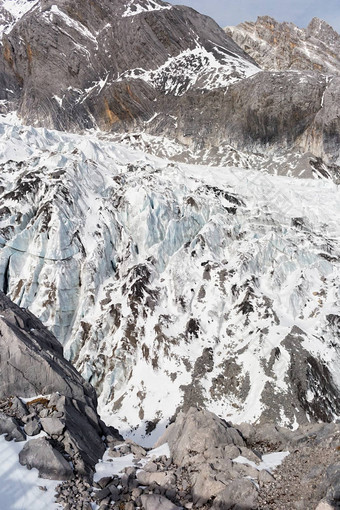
(300, 12)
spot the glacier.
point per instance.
(172, 284)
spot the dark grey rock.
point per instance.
(103, 482)
(82, 436)
(39, 454)
(32, 361)
(102, 494)
(114, 492)
(19, 408)
(11, 428)
(33, 427)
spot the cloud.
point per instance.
(300, 12)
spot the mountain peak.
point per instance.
(280, 46)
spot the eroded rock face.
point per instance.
(117, 58)
(32, 361)
(282, 46)
(160, 90)
(269, 109)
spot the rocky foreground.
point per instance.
(207, 463)
(211, 465)
(204, 463)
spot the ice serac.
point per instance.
(174, 283)
(283, 46)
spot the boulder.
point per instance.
(238, 495)
(32, 427)
(39, 454)
(11, 428)
(157, 502)
(19, 408)
(162, 478)
(53, 426)
(207, 483)
(195, 432)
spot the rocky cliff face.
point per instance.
(75, 66)
(284, 46)
(59, 402)
(32, 361)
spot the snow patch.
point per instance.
(19, 486)
(134, 7)
(270, 461)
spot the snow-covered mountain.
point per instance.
(171, 284)
(169, 211)
(74, 65)
(148, 67)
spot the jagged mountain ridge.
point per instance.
(174, 283)
(283, 46)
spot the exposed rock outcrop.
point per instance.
(85, 64)
(299, 472)
(32, 363)
(279, 46)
